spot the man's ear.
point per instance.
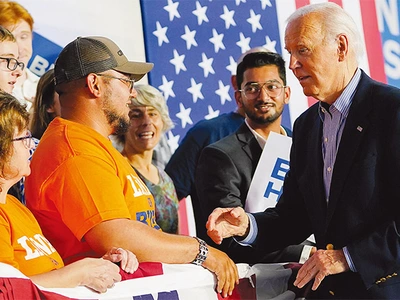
(238, 98)
(343, 46)
(93, 84)
(288, 92)
(233, 82)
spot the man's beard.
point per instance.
(263, 118)
(119, 123)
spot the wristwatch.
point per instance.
(203, 251)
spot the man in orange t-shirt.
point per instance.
(83, 193)
(85, 182)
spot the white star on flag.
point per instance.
(264, 3)
(161, 34)
(172, 9)
(243, 43)
(184, 115)
(270, 45)
(254, 20)
(223, 92)
(232, 65)
(211, 113)
(189, 37)
(200, 13)
(173, 141)
(195, 90)
(166, 88)
(177, 61)
(206, 65)
(227, 16)
(217, 41)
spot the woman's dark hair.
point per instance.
(44, 100)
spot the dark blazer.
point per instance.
(363, 212)
(182, 164)
(223, 178)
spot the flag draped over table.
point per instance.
(194, 45)
(157, 281)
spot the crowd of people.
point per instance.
(79, 143)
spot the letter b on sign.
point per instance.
(277, 176)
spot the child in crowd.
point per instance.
(19, 22)
(10, 67)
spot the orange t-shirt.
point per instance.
(22, 243)
(79, 180)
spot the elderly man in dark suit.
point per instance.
(226, 167)
(343, 183)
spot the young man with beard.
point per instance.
(226, 167)
(82, 191)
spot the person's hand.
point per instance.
(321, 264)
(128, 260)
(227, 222)
(97, 274)
(224, 269)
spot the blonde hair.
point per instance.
(150, 96)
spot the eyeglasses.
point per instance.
(27, 140)
(253, 90)
(13, 64)
(128, 82)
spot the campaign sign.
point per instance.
(267, 182)
(44, 54)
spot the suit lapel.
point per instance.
(249, 143)
(356, 125)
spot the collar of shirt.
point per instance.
(343, 103)
(260, 139)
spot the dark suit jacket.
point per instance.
(223, 178)
(182, 164)
(363, 212)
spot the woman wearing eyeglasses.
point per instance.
(22, 243)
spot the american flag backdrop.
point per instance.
(194, 45)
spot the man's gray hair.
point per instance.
(335, 21)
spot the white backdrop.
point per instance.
(62, 21)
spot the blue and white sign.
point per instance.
(267, 182)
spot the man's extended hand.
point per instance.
(227, 222)
(321, 264)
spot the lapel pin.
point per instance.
(359, 128)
